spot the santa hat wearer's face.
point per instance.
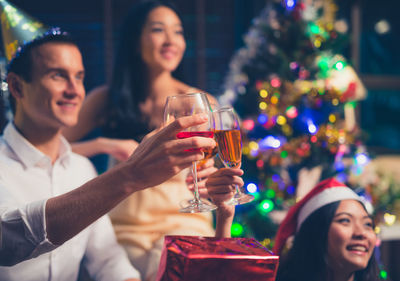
(326, 192)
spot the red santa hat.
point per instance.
(326, 192)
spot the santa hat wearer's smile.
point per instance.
(326, 192)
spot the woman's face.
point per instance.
(162, 43)
(351, 238)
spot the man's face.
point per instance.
(55, 94)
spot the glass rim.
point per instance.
(224, 108)
(186, 95)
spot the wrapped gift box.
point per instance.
(192, 258)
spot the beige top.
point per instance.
(146, 216)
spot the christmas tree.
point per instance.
(296, 95)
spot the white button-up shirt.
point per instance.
(27, 180)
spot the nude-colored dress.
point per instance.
(143, 219)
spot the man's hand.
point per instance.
(162, 155)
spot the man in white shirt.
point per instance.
(47, 224)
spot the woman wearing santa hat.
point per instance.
(334, 236)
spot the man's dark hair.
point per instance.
(22, 62)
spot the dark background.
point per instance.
(214, 30)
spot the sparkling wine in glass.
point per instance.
(188, 105)
(228, 137)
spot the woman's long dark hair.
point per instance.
(307, 259)
(129, 83)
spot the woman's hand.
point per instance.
(205, 168)
(221, 188)
(120, 149)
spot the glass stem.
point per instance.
(238, 192)
(196, 187)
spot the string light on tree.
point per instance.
(290, 85)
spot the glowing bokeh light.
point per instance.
(314, 28)
(263, 105)
(236, 229)
(382, 27)
(270, 142)
(252, 187)
(311, 127)
(253, 145)
(362, 159)
(281, 120)
(389, 219)
(342, 177)
(291, 112)
(293, 65)
(266, 206)
(253, 153)
(263, 93)
(383, 274)
(262, 119)
(248, 124)
(270, 193)
(323, 63)
(339, 65)
(290, 189)
(290, 4)
(275, 177)
(275, 82)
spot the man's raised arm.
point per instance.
(156, 159)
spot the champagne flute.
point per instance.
(187, 105)
(228, 138)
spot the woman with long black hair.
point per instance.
(333, 234)
(151, 48)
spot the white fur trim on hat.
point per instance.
(323, 198)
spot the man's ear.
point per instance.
(15, 85)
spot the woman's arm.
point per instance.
(90, 117)
(221, 187)
(120, 149)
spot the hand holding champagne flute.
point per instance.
(228, 138)
(187, 105)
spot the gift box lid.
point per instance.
(195, 247)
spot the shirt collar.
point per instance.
(30, 155)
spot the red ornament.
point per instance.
(350, 92)
(259, 85)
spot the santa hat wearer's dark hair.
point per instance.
(326, 192)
